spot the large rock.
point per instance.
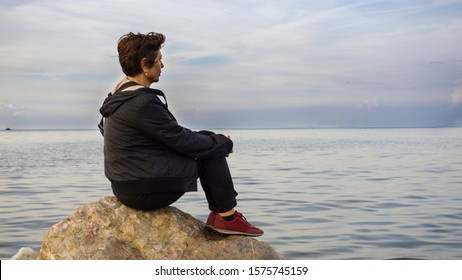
(109, 230)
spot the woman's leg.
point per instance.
(219, 190)
(217, 183)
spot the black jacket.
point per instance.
(147, 151)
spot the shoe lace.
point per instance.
(239, 214)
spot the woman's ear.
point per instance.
(144, 64)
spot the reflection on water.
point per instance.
(317, 193)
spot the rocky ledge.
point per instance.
(108, 230)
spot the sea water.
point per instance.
(317, 193)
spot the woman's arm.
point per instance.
(155, 120)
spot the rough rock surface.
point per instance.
(109, 230)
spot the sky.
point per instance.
(239, 64)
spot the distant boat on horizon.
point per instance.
(8, 128)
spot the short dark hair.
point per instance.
(133, 48)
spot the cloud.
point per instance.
(369, 104)
(230, 55)
(209, 60)
(10, 113)
(9, 109)
(5, 106)
(456, 97)
(21, 114)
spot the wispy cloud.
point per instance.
(233, 55)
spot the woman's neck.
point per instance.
(141, 80)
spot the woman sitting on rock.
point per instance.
(149, 158)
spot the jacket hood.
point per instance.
(115, 99)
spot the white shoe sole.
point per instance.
(231, 232)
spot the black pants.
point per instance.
(215, 179)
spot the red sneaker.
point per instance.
(239, 225)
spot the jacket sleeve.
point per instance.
(155, 120)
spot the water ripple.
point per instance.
(318, 194)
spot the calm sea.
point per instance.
(317, 193)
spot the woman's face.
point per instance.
(153, 73)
